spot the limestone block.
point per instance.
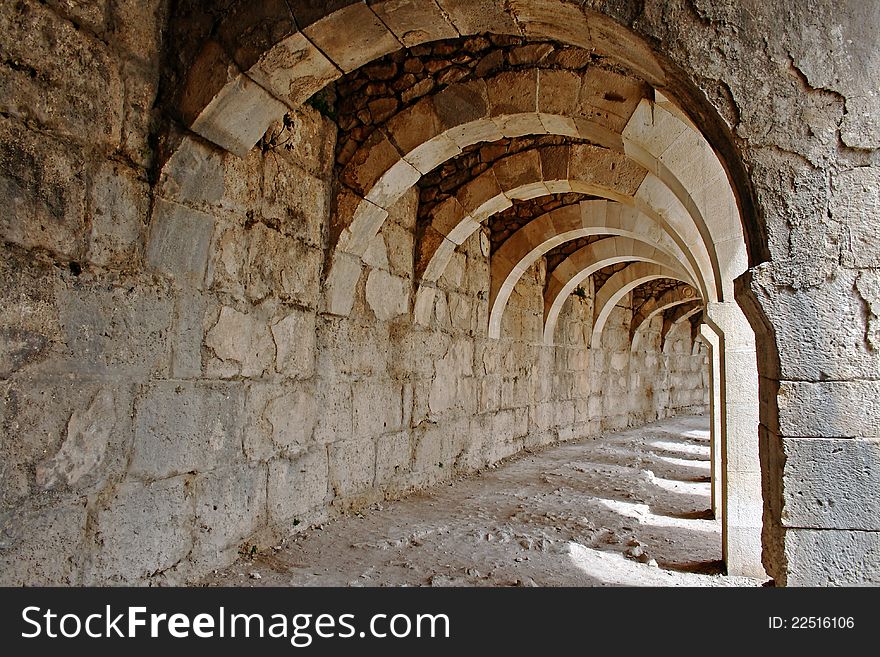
(136, 25)
(141, 82)
(312, 142)
(352, 466)
(855, 205)
(454, 272)
(388, 295)
(292, 415)
(185, 427)
(41, 545)
(414, 22)
(109, 329)
(478, 130)
(228, 266)
(393, 456)
(258, 442)
(839, 558)
(299, 201)
(348, 347)
(519, 125)
(75, 89)
(460, 312)
(42, 191)
(179, 241)
(490, 393)
(557, 91)
(834, 409)
(405, 212)
(293, 70)
(297, 488)
(868, 288)
(377, 408)
(119, 216)
(433, 153)
(334, 421)
(550, 19)
(341, 283)
(230, 505)
(350, 49)
(517, 170)
(436, 447)
(283, 267)
(28, 316)
(831, 484)
(820, 330)
(74, 434)
(476, 17)
(376, 255)
(399, 244)
(504, 425)
(87, 441)
(603, 167)
(144, 530)
(90, 13)
(463, 104)
(387, 189)
(294, 338)
(555, 124)
(375, 156)
(513, 93)
(235, 115)
(194, 175)
(241, 342)
(415, 126)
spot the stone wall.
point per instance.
(162, 406)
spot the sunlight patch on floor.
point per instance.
(614, 569)
(684, 448)
(642, 513)
(681, 487)
(688, 463)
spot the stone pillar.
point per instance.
(711, 339)
(741, 498)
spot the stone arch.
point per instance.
(619, 285)
(585, 262)
(420, 138)
(678, 315)
(681, 295)
(224, 98)
(522, 176)
(598, 217)
(269, 58)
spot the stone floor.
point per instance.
(629, 508)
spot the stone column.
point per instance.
(711, 339)
(741, 499)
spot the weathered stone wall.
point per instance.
(170, 388)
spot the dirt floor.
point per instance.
(630, 508)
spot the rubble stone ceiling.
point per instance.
(653, 289)
(368, 97)
(561, 252)
(504, 224)
(605, 273)
(445, 180)
(672, 314)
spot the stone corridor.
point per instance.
(629, 508)
(265, 264)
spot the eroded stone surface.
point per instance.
(177, 376)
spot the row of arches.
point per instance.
(658, 198)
